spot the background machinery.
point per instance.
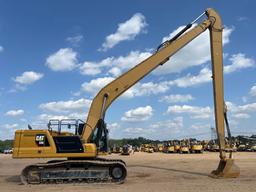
(213, 146)
(127, 150)
(116, 149)
(168, 147)
(149, 148)
(176, 146)
(160, 147)
(80, 149)
(184, 146)
(196, 146)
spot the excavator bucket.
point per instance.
(226, 169)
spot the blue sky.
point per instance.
(56, 55)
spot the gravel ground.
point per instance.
(147, 172)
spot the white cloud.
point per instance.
(15, 112)
(96, 84)
(139, 89)
(176, 123)
(238, 61)
(204, 76)
(76, 94)
(43, 118)
(241, 111)
(113, 127)
(241, 116)
(75, 40)
(10, 126)
(46, 117)
(115, 71)
(137, 131)
(151, 88)
(7, 130)
(121, 63)
(130, 60)
(177, 98)
(251, 107)
(161, 129)
(66, 106)
(90, 68)
(167, 129)
(28, 77)
(200, 126)
(236, 109)
(138, 114)
(197, 52)
(23, 120)
(94, 68)
(125, 31)
(195, 112)
(231, 106)
(117, 64)
(146, 89)
(1, 48)
(253, 90)
(64, 59)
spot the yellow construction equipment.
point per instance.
(149, 148)
(184, 149)
(126, 150)
(184, 146)
(176, 147)
(168, 147)
(253, 148)
(160, 147)
(196, 147)
(80, 149)
(213, 146)
(142, 147)
(116, 149)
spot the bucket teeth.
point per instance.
(226, 169)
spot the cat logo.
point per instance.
(40, 139)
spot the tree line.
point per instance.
(6, 144)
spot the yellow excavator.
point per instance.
(196, 146)
(80, 149)
(184, 146)
(160, 147)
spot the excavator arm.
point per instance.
(114, 89)
(117, 87)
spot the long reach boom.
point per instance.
(118, 86)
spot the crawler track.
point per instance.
(75, 171)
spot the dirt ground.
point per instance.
(147, 172)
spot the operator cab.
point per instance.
(66, 135)
(64, 126)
